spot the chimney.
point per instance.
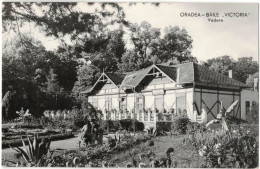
(256, 84)
(230, 74)
(178, 75)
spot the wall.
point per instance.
(248, 95)
(210, 97)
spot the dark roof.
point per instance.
(207, 76)
(116, 77)
(188, 73)
(171, 72)
(132, 79)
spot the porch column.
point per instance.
(142, 116)
(132, 114)
(120, 115)
(149, 115)
(114, 115)
(104, 114)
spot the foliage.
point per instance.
(253, 116)
(126, 124)
(53, 18)
(26, 75)
(35, 151)
(250, 80)
(53, 84)
(221, 64)
(237, 148)
(149, 48)
(242, 68)
(180, 125)
(163, 126)
(16, 141)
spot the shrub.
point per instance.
(180, 125)
(163, 126)
(139, 126)
(193, 127)
(126, 124)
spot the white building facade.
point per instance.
(160, 92)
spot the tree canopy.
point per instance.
(242, 68)
(98, 36)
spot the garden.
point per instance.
(180, 144)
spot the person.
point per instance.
(94, 130)
(85, 134)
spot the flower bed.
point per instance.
(235, 149)
(91, 155)
(18, 141)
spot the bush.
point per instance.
(180, 125)
(18, 142)
(139, 126)
(126, 124)
(194, 126)
(163, 126)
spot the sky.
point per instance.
(236, 36)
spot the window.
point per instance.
(158, 102)
(108, 104)
(180, 104)
(122, 103)
(139, 103)
(95, 102)
(247, 107)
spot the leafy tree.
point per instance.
(53, 84)
(244, 67)
(142, 37)
(103, 57)
(149, 48)
(221, 64)
(60, 18)
(87, 76)
(131, 62)
(250, 79)
(176, 43)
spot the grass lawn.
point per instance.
(184, 155)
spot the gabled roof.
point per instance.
(205, 75)
(132, 79)
(193, 72)
(116, 77)
(171, 72)
(188, 73)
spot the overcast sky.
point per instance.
(235, 36)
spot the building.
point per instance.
(159, 92)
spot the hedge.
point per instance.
(126, 124)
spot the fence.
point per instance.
(143, 116)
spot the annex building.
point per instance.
(159, 92)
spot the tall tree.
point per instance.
(176, 43)
(250, 79)
(244, 67)
(142, 37)
(221, 64)
(60, 18)
(53, 84)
